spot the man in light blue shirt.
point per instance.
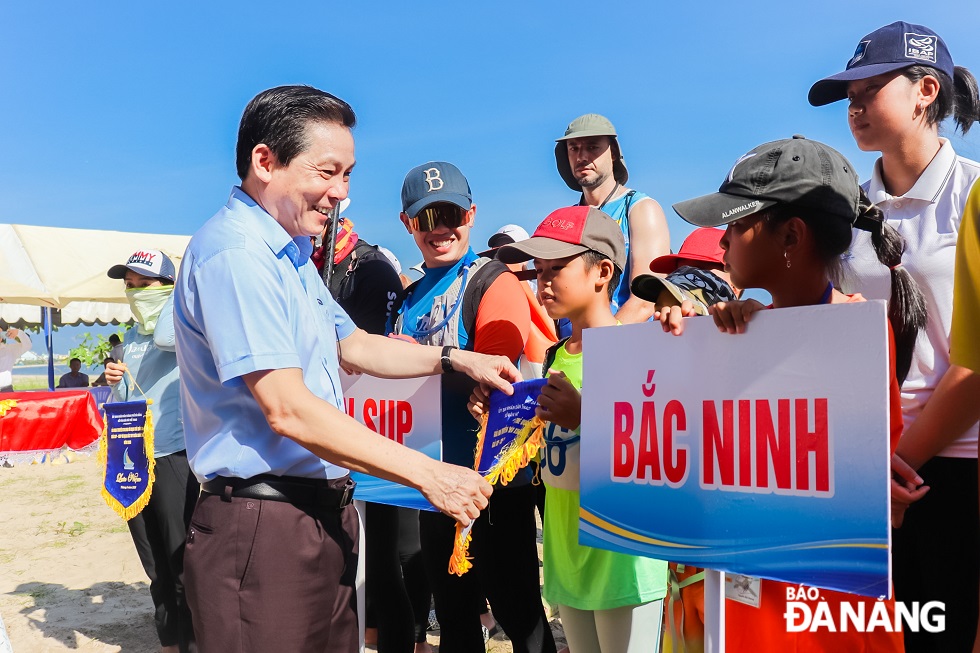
(271, 550)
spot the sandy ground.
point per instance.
(70, 579)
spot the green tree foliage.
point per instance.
(93, 349)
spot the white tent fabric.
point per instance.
(53, 266)
(20, 315)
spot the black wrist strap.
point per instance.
(447, 363)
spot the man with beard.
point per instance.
(590, 160)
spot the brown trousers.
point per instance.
(267, 576)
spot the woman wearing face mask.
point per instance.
(151, 360)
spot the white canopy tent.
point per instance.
(43, 268)
(21, 315)
(53, 266)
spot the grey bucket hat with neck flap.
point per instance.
(591, 124)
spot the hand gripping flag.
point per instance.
(510, 436)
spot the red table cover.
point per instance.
(47, 421)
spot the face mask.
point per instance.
(146, 304)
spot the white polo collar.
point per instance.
(928, 187)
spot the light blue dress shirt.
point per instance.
(152, 362)
(248, 298)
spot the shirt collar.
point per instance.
(930, 183)
(260, 223)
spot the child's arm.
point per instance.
(559, 402)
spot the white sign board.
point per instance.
(408, 411)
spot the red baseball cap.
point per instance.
(702, 245)
(567, 232)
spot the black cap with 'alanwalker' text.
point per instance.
(797, 171)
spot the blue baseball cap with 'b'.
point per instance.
(435, 181)
(888, 48)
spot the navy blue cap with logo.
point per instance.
(435, 181)
(888, 48)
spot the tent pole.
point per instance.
(49, 342)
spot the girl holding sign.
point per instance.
(900, 85)
(790, 207)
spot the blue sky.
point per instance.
(123, 115)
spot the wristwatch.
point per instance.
(447, 363)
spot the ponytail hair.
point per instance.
(907, 306)
(958, 97)
(966, 105)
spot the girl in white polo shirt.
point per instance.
(901, 84)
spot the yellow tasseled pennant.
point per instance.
(511, 460)
(128, 512)
(459, 562)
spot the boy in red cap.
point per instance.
(696, 274)
(608, 601)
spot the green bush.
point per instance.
(93, 349)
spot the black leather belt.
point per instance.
(327, 494)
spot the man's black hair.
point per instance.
(279, 117)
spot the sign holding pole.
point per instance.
(764, 454)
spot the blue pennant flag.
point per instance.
(507, 419)
(508, 440)
(126, 450)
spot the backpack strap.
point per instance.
(549, 356)
(476, 287)
(340, 272)
(483, 273)
(629, 203)
(396, 308)
(346, 268)
(674, 597)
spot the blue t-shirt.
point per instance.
(249, 298)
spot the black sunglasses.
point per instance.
(433, 215)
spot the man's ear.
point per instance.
(470, 216)
(263, 161)
(406, 221)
